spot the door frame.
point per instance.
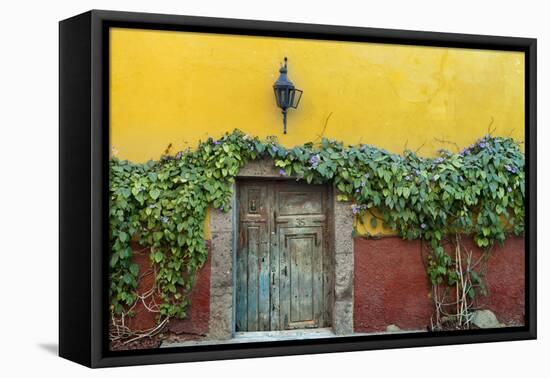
(223, 248)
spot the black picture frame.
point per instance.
(83, 180)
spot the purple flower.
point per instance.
(274, 149)
(509, 190)
(363, 183)
(314, 160)
(438, 160)
(282, 172)
(511, 169)
(417, 172)
(164, 219)
(482, 145)
(408, 178)
(216, 142)
(152, 206)
(366, 175)
(357, 190)
(423, 226)
(179, 155)
(354, 209)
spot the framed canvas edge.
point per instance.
(101, 20)
(75, 297)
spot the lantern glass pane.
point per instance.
(289, 93)
(292, 94)
(296, 97)
(277, 92)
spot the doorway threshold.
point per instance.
(260, 336)
(266, 336)
(293, 334)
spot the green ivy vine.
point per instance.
(162, 204)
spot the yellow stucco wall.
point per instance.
(178, 87)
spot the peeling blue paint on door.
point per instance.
(280, 268)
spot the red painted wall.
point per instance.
(506, 282)
(196, 322)
(391, 285)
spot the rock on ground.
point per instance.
(392, 328)
(485, 319)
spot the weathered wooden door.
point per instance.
(283, 279)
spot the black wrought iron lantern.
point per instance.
(286, 94)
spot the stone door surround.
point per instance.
(222, 277)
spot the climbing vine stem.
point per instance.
(162, 204)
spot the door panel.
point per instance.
(257, 278)
(301, 267)
(253, 294)
(281, 266)
(300, 203)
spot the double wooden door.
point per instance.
(282, 269)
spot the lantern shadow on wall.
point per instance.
(286, 94)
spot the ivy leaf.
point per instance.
(134, 269)
(158, 236)
(128, 279)
(126, 192)
(260, 147)
(181, 240)
(373, 222)
(123, 236)
(158, 257)
(493, 187)
(154, 193)
(114, 260)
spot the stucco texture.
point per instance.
(176, 88)
(391, 286)
(179, 87)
